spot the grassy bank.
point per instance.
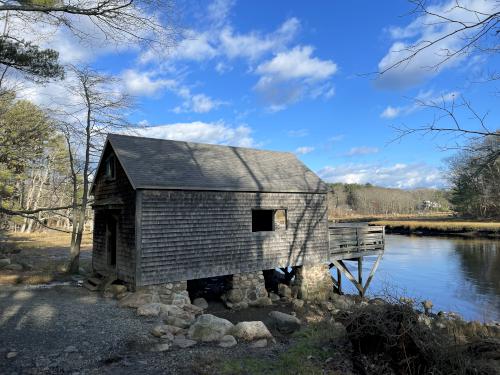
(441, 227)
(379, 338)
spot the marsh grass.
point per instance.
(440, 225)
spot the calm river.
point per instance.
(461, 275)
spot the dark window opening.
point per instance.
(110, 167)
(111, 240)
(262, 220)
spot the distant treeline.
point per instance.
(355, 199)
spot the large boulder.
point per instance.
(227, 341)
(149, 309)
(14, 267)
(134, 300)
(284, 323)
(209, 328)
(4, 262)
(250, 331)
(201, 302)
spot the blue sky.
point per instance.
(294, 76)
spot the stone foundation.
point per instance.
(247, 289)
(314, 283)
(167, 293)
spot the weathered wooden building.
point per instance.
(168, 211)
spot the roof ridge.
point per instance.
(201, 143)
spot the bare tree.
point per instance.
(149, 21)
(96, 106)
(459, 30)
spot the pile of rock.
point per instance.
(247, 289)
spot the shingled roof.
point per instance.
(165, 164)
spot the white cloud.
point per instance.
(253, 44)
(213, 133)
(423, 99)
(292, 74)
(198, 103)
(399, 175)
(304, 150)
(297, 64)
(390, 112)
(362, 150)
(144, 83)
(423, 29)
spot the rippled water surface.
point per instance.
(461, 275)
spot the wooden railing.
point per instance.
(352, 239)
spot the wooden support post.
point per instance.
(339, 281)
(372, 273)
(341, 266)
(360, 274)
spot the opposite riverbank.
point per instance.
(439, 225)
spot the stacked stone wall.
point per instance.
(247, 289)
(313, 283)
(166, 293)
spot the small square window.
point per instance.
(269, 220)
(262, 220)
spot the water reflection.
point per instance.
(461, 275)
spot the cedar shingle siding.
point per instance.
(185, 210)
(196, 234)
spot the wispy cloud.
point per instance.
(429, 27)
(298, 133)
(362, 150)
(423, 99)
(304, 150)
(214, 133)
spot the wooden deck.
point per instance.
(355, 241)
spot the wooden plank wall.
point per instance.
(119, 188)
(195, 234)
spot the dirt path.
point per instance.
(69, 330)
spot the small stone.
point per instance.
(193, 309)
(167, 336)
(262, 343)
(160, 330)
(328, 360)
(201, 302)
(11, 354)
(274, 297)
(261, 302)
(427, 304)
(235, 295)
(4, 262)
(71, 349)
(227, 341)
(183, 342)
(160, 347)
(177, 322)
(284, 291)
(309, 357)
(297, 304)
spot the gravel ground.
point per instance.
(67, 329)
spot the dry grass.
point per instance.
(44, 256)
(49, 239)
(443, 225)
